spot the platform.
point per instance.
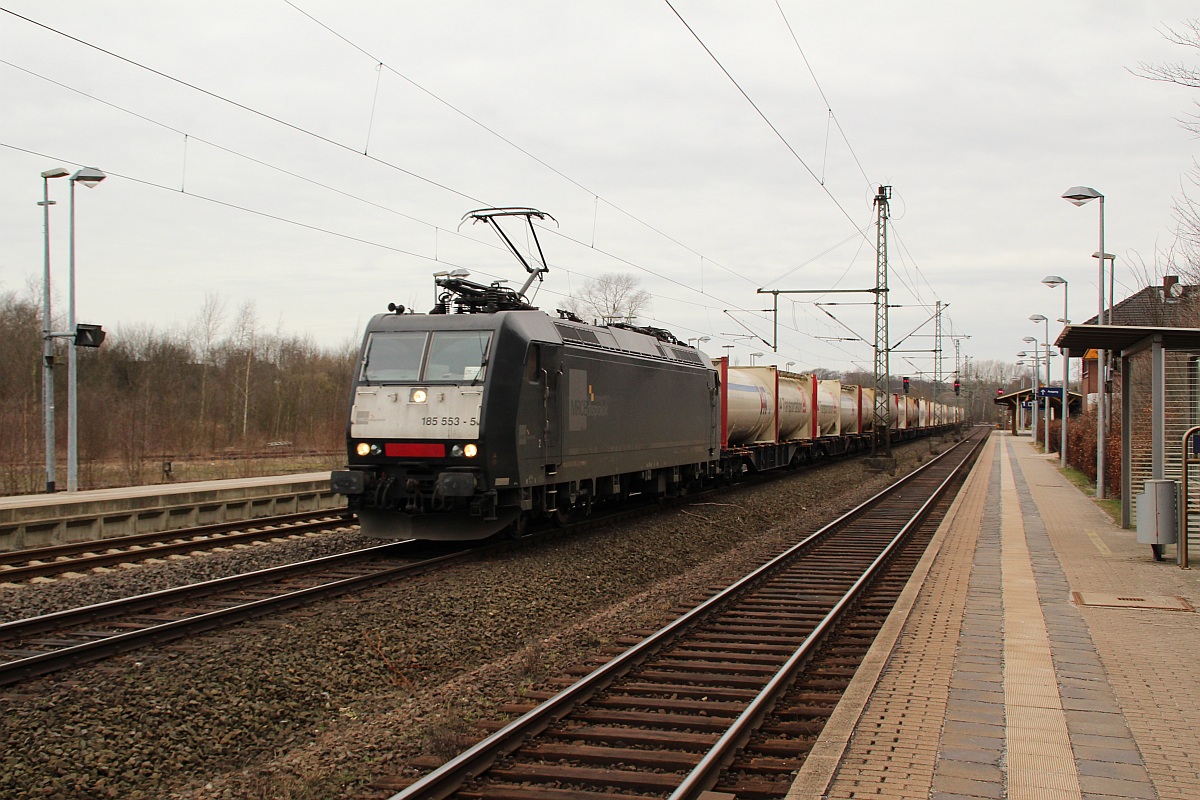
(1033, 655)
(41, 520)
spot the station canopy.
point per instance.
(1076, 340)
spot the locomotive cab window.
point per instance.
(417, 356)
(457, 355)
(394, 357)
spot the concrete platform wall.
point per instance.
(45, 520)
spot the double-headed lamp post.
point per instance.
(1046, 409)
(1035, 358)
(1037, 378)
(47, 333)
(1052, 281)
(1080, 195)
(88, 177)
(1017, 407)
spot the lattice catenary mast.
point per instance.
(883, 417)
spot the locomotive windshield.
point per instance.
(420, 356)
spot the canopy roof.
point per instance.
(1076, 340)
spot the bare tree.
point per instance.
(1182, 258)
(611, 297)
(205, 329)
(1179, 73)
(245, 330)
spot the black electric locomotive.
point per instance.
(488, 413)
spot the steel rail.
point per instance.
(33, 666)
(16, 564)
(706, 774)
(30, 626)
(43, 663)
(448, 778)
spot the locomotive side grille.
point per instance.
(569, 333)
(690, 356)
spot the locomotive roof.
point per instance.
(535, 325)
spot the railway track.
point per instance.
(45, 644)
(41, 645)
(730, 695)
(23, 565)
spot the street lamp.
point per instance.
(1046, 409)
(47, 337)
(89, 177)
(1037, 377)
(1080, 195)
(1052, 281)
(788, 365)
(1112, 265)
(754, 356)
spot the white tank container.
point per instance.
(868, 409)
(829, 411)
(750, 404)
(850, 409)
(898, 417)
(795, 406)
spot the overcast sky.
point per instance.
(234, 134)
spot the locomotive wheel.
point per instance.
(519, 526)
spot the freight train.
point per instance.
(488, 414)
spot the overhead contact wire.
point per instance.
(505, 139)
(242, 106)
(762, 114)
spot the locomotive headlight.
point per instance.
(418, 396)
(470, 450)
(363, 449)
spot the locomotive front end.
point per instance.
(417, 462)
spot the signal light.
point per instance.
(905, 385)
(1000, 392)
(956, 387)
(89, 335)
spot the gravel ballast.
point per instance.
(320, 702)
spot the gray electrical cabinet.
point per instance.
(1156, 513)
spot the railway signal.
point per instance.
(906, 385)
(957, 387)
(89, 335)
